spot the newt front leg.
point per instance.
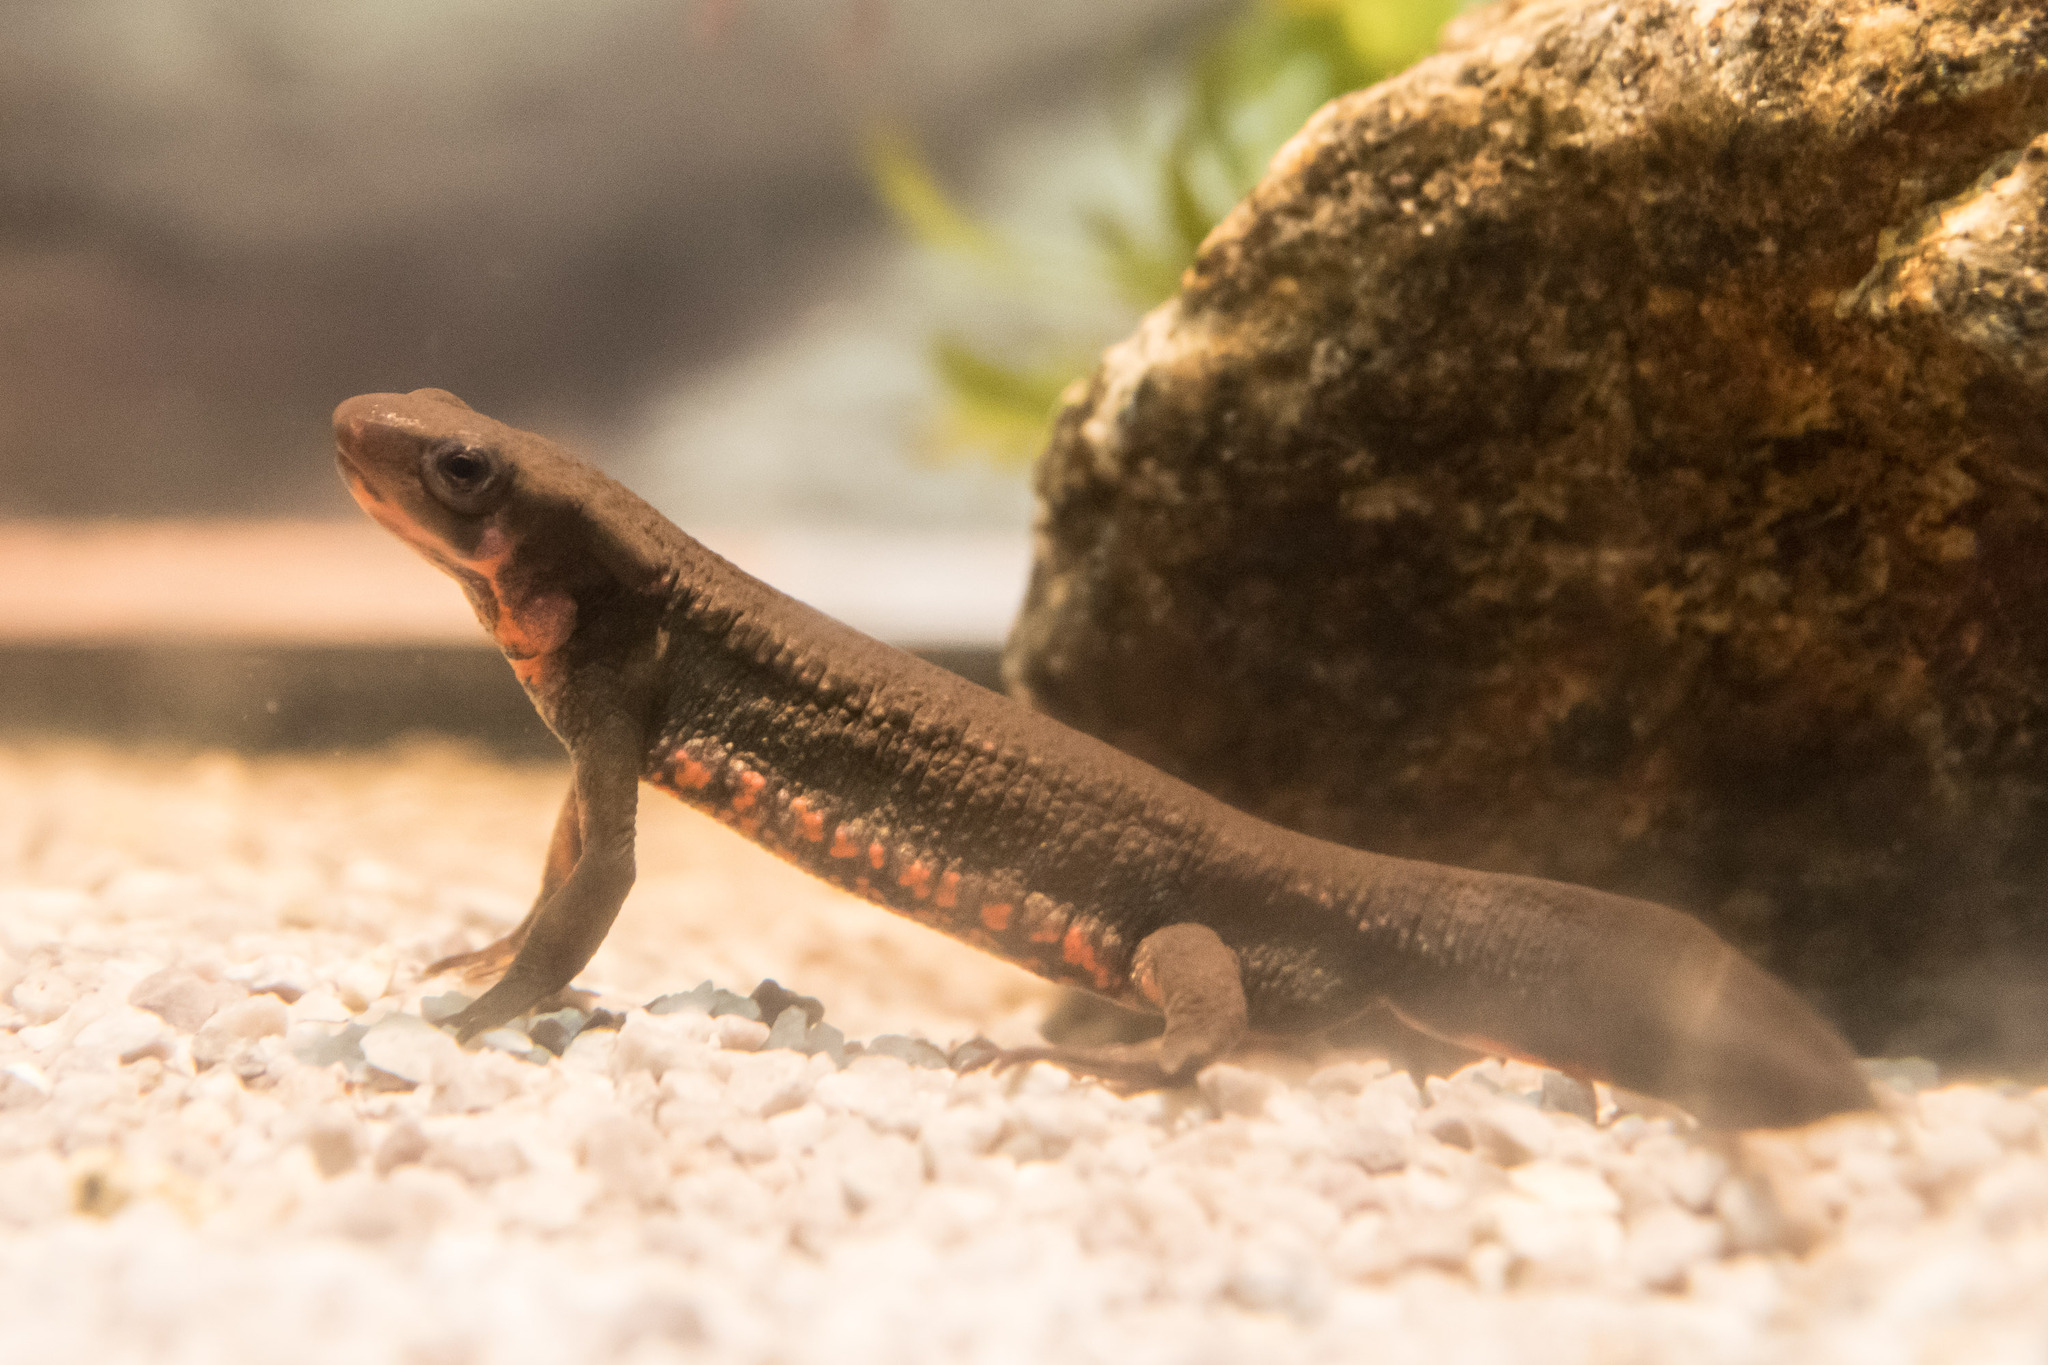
(564, 847)
(562, 933)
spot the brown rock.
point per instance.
(1615, 450)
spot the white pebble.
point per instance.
(1393, 1098)
(22, 1084)
(764, 1084)
(1562, 1094)
(1750, 1214)
(1665, 1244)
(740, 1034)
(284, 975)
(206, 1118)
(1572, 1189)
(659, 1043)
(34, 1189)
(481, 1159)
(815, 1209)
(43, 995)
(1442, 1239)
(2009, 1120)
(1235, 1089)
(376, 878)
(121, 1036)
(1554, 1243)
(2013, 1198)
(689, 1105)
(797, 1131)
(41, 1037)
(146, 892)
(1693, 1174)
(411, 1049)
(1364, 1247)
(232, 1030)
(481, 1081)
(551, 1202)
(592, 1051)
(1042, 1078)
(404, 1144)
(1271, 1275)
(1473, 1084)
(885, 1091)
(335, 1141)
(749, 1139)
(361, 984)
(183, 998)
(1743, 1288)
(1058, 1121)
(1347, 1078)
(625, 1153)
(1509, 1133)
(879, 1174)
(1376, 1146)
(318, 1007)
(404, 1207)
(1950, 1154)
(957, 1136)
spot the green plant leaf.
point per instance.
(1001, 408)
(1143, 273)
(992, 384)
(1390, 35)
(1190, 217)
(1247, 90)
(906, 184)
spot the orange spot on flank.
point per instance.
(996, 916)
(841, 846)
(811, 823)
(918, 878)
(1079, 950)
(877, 855)
(749, 783)
(693, 775)
(948, 894)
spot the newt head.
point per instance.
(496, 508)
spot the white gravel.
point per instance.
(184, 1176)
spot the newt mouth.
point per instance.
(359, 487)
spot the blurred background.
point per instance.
(808, 274)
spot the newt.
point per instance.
(654, 660)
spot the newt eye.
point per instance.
(465, 479)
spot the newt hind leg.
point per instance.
(1192, 976)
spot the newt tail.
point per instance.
(655, 660)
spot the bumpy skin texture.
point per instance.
(655, 660)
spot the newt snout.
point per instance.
(653, 659)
